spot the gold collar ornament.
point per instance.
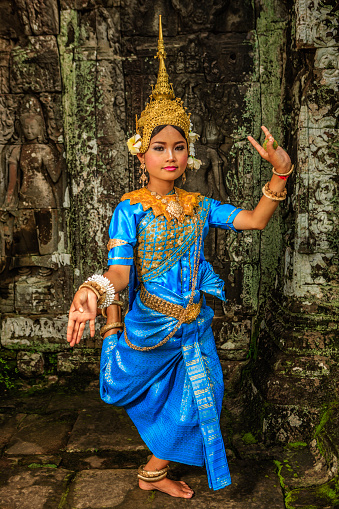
(173, 206)
(163, 109)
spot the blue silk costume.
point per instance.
(173, 393)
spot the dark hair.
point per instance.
(159, 128)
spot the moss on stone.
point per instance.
(248, 438)
(329, 491)
(296, 445)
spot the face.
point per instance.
(166, 157)
(31, 128)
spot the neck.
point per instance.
(161, 187)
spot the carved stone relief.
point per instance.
(32, 195)
(317, 156)
(32, 239)
(317, 23)
(39, 17)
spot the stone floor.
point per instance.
(72, 451)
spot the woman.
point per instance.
(163, 367)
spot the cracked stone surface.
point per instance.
(85, 456)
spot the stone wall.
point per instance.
(88, 66)
(294, 377)
(73, 75)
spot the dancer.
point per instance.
(161, 365)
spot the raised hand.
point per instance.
(83, 308)
(279, 159)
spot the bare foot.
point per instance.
(172, 488)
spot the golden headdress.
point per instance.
(162, 109)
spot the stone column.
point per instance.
(296, 368)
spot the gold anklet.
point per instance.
(148, 476)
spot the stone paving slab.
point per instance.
(255, 486)
(41, 434)
(26, 403)
(94, 489)
(8, 426)
(76, 402)
(108, 428)
(35, 489)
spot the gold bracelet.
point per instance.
(90, 287)
(283, 174)
(116, 302)
(109, 326)
(272, 195)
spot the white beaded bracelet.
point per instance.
(107, 287)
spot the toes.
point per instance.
(185, 486)
(188, 494)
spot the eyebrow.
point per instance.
(164, 142)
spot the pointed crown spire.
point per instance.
(163, 89)
(163, 108)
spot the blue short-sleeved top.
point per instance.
(128, 225)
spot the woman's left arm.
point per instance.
(258, 218)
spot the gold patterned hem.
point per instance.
(188, 201)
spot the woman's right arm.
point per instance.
(84, 305)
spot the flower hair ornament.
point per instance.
(163, 108)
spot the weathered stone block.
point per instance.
(109, 429)
(110, 101)
(30, 364)
(37, 434)
(316, 24)
(232, 371)
(36, 66)
(8, 426)
(5, 51)
(311, 391)
(38, 488)
(304, 367)
(86, 361)
(113, 179)
(42, 20)
(7, 297)
(234, 340)
(52, 104)
(100, 488)
(289, 423)
(8, 106)
(44, 334)
(88, 4)
(35, 295)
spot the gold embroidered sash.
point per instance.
(168, 308)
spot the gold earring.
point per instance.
(183, 177)
(143, 179)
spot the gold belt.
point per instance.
(169, 309)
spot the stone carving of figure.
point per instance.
(208, 179)
(32, 197)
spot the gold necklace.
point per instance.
(173, 207)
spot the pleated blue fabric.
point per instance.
(173, 393)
